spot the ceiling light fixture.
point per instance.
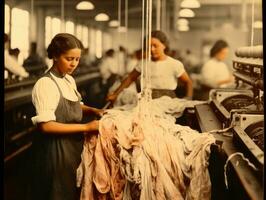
(186, 13)
(102, 17)
(190, 4)
(114, 23)
(183, 28)
(181, 22)
(84, 5)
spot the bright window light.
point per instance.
(20, 32)
(79, 31)
(7, 18)
(85, 36)
(92, 43)
(258, 24)
(107, 41)
(98, 44)
(102, 17)
(186, 13)
(70, 27)
(56, 24)
(48, 30)
(190, 4)
(114, 23)
(84, 5)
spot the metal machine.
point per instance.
(240, 113)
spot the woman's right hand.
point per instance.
(92, 126)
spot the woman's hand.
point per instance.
(92, 126)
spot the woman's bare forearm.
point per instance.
(53, 127)
(127, 82)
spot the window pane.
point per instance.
(20, 32)
(48, 30)
(92, 43)
(7, 18)
(98, 44)
(70, 27)
(85, 36)
(79, 31)
(56, 25)
(107, 41)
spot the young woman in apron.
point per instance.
(58, 145)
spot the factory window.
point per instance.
(20, 32)
(98, 43)
(107, 41)
(48, 30)
(92, 43)
(79, 31)
(7, 19)
(56, 26)
(70, 27)
(85, 36)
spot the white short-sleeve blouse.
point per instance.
(164, 73)
(46, 96)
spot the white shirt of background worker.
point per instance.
(11, 63)
(215, 73)
(165, 71)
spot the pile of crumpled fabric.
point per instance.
(145, 155)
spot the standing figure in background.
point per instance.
(58, 145)
(191, 62)
(14, 52)
(165, 71)
(215, 73)
(34, 63)
(11, 64)
(122, 61)
(108, 70)
(85, 59)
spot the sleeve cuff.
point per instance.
(43, 117)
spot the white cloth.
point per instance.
(108, 67)
(161, 159)
(46, 96)
(121, 62)
(13, 66)
(214, 71)
(131, 65)
(164, 73)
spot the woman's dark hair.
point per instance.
(217, 47)
(61, 43)
(162, 37)
(110, 52)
